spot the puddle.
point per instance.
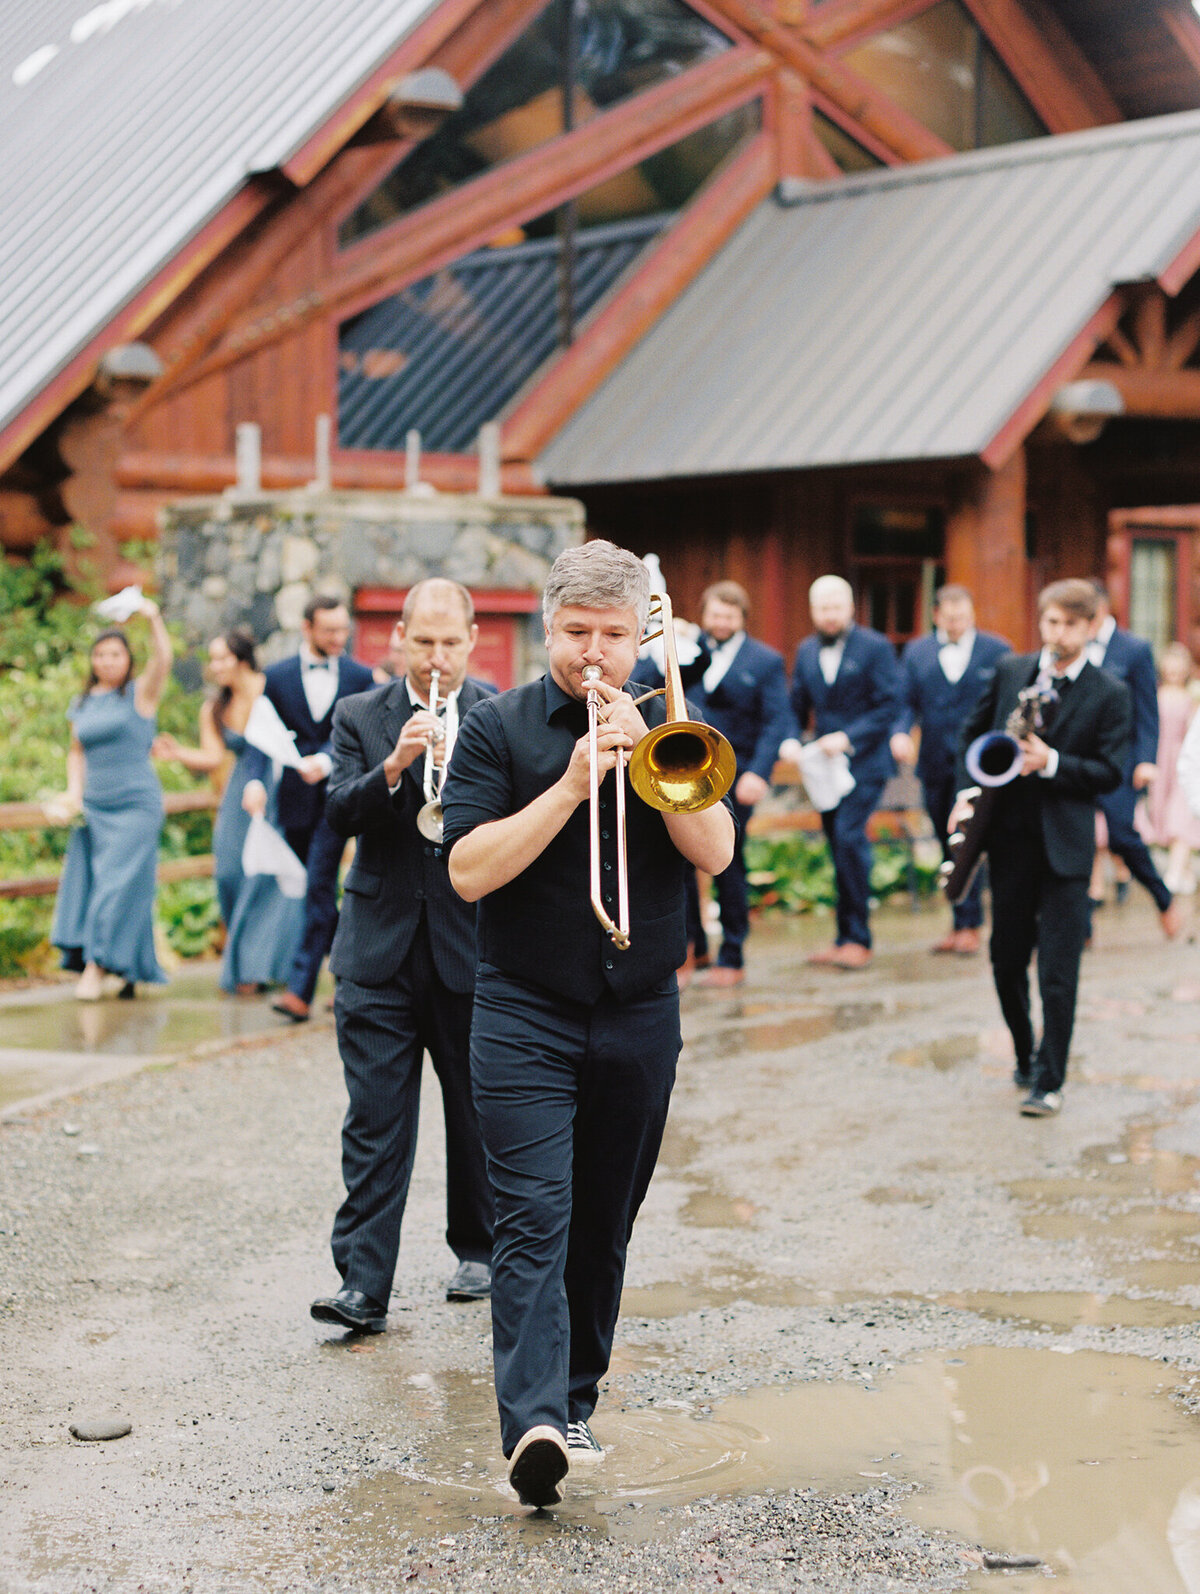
(943, 1054)
(1136, 1206)
(722, 1287)
(1081, 1460)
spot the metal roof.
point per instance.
(126, 125)
(458, 345)
(891, 316)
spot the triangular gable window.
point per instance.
(941, 69)
(451, 351)
(849, 154)
(622, 47)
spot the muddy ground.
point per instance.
(878, 1330)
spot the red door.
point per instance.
(497, 614)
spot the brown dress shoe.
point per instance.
(1171, 919)
(948, 943)
(720, 978)
(852, 956)
(827, 955)
(291, 1007)
(967, 943)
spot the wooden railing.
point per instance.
(32, 816)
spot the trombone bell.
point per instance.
(682, 767)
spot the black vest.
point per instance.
(540, 927)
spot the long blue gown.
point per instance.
(105, 908)
(263, 927)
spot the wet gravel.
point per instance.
(828, 1208)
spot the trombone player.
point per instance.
(404, 957)
(574, 1041)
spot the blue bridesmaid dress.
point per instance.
(263, 927)
(105, 908)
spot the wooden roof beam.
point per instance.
(1159, 395)
(657, 282)
(1055, 76)
(526, 186)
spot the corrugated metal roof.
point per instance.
(891, 316)
(126, 125)
(467, 338)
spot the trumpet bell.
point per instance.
(429, 821)
(682, 767)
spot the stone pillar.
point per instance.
(985, 546)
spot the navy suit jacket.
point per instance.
(301, 805)
(1131, 660)
(749, 706)
(940, 707)
(864, 699)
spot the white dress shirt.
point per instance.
(830, 658)
(1098, 646)
(319, 677)
(955, 656)
(723, 655)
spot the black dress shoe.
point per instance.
(472, 1282)
(1023, 1076)
(352, 1309)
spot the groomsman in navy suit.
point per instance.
(743, 694)
(1131, 660)
(945, 675)
(846, 679)
(304, 690)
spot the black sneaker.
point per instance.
(1041, 1104)
(582, 1443)
(538, 1466)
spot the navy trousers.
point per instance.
(1034, 908)
(383, 1033)
(572, 1099)
(731, 896)
(845, 829)
(320, 850)
(1124, 840)
(939, 800)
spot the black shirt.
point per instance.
(540, 926)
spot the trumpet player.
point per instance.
(404, 957)
(575, 1040)
(1041, 837)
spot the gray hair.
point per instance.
(597, 575)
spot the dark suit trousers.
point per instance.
(572, 1100)
(1123, 840)
(939, 800)
(846, 831)
(1034, 908)
(321, 850)
(383, 1032)
(731, 896)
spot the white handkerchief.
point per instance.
(826, 780)
(266, 731)
(264, 851)
(121, 606)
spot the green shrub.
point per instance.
(794, 873)
(187, 910)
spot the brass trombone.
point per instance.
(429, 817)
(679, 767)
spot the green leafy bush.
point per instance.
(188, 911)
(794, 873)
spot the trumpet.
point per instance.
(680, 767)
(429, 816)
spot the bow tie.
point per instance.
(319, 664)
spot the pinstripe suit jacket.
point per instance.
(396, 873)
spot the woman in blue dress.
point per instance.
(262, 925)
(104, 916)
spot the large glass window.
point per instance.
(941, 69)
(449, 352)
(620, 48)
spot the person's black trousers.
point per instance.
(1034, 908)
(383, 1033)
(731, 895)
(845, 829)
(572, 1100)
(320, 850)
(939, 801)
(1125, 842)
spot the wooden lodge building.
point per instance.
(903, 289)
